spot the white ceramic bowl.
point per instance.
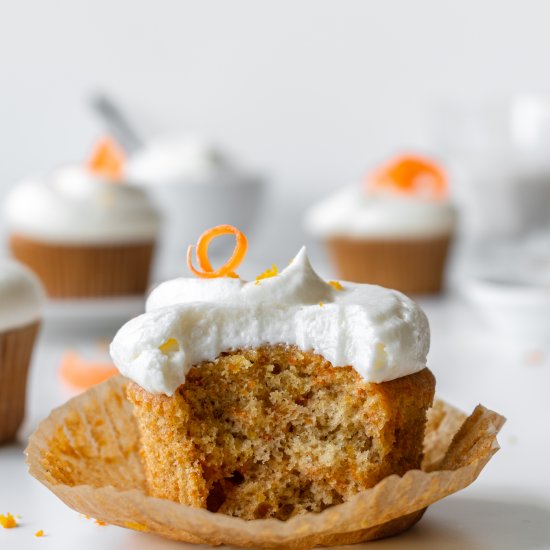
(517, 311)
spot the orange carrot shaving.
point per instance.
(39, 533)
(227, 269)
(336, 285)
(107, 159)
(410, 175)
(82, 374)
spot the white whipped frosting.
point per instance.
(182, 161)
(73, 205)
(21, 296)
(380, 332)
(352, 212)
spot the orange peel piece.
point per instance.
(227, 269)
(82, 374)
(410, 175)
(107, 159)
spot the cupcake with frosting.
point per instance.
(83, 230)
(194, 184)
(21, 298)
(276, 397)
(394, 230)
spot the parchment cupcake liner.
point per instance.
(409, 265)
(86, 271)
(16, 347)
(87, 453)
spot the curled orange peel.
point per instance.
(410, 175)
(82, 374)
(227, 269)
(107, 159)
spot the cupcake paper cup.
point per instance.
(87, 453)
(16, 347)
(86, 271)
(412, 266)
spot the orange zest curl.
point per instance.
(410, 175)
(227, 269)
(107, 159)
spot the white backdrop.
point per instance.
(311, 91)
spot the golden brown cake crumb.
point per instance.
(275, 432)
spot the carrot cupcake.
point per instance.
(274, 397)
(21, 298)
(83, 231)
(395, 231)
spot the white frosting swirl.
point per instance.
(353, 212)
(184, 161)
(380, 332)
(75, 206)
(21, 296)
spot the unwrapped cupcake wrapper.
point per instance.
(87, 453)
(16, 347)
(409, 265)
(87, 271)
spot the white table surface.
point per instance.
(507, 508)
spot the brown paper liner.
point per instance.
(409, 265)
(86, 271)
(87, 453)
(16, 347)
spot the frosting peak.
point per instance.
(380, 332)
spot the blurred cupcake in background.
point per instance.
(194, 185)
(83, 230)
(394, 230)
(21, 298)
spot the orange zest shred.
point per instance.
(107, 159)
(100, 523)
(82, 374)
(410, 175)
(7, 521)
(227, 269)
(136, 526)
(336, 285)
(272, 271)
(39, 533)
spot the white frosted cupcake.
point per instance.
(21, 298)
(395, 231)
(83, 231)
(194, 184)
(275, 397)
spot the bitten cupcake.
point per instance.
(394, 231)
(83, 231)
(275, 397)
(21, 298)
